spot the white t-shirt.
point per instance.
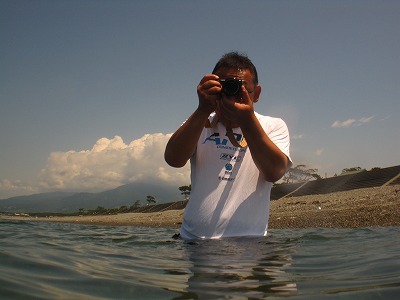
(229, 197)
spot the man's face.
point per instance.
(248, 82)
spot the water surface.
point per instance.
(69, 261)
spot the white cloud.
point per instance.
(352, 122)
(347, 123)
(298, 136)
(364, 120)
(10, 188)
(109, 164)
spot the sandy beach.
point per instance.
(369, 207)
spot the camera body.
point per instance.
(231, 86)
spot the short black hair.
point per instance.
(235, 60)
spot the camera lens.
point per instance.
(231, 86)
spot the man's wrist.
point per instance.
(203, 112)
(248, 122)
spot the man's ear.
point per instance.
(257, 92)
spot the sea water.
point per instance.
(69, 261)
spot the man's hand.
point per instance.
(209, 92)
(183, 142)
(237, 110)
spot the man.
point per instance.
(235, 153)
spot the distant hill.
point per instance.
(71, 202)
(126, 195)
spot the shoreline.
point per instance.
(367, 207)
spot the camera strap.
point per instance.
(231, 136)
(229, 133)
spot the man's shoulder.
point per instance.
(271, 121)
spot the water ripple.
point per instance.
(69, 261)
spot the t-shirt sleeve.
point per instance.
(278, 132)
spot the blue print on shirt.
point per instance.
(218, 141)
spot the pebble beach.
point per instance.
(368, 207)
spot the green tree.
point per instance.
(185, 190)
(300, 173)
(151, 199)
(351, 170)
(136, 204)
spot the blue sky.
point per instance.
(91, 90)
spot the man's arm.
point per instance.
(269, 159)
(183, 142)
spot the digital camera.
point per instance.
(231, 86)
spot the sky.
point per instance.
(90, 91)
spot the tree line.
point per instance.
(301, 173)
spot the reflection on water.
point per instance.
(240, 267)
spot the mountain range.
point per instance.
(67, 202)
